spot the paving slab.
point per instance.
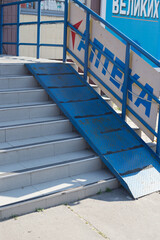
(120, 217)
(57, 223)
(111, 215)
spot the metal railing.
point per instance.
(126, 71)
(86, 38)
(38, 44)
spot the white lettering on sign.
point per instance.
(115, 8)
(150, 9)
(143, 8)
(122, 7)
(156, 9)
(137, 8)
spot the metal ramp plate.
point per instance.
(135, 165)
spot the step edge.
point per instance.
(56, 165)
(41, 202)
(32, 106)
(33, 124)
(43, 144)
(24, 91)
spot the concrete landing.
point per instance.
(20, 59)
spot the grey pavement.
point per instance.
(113, 215)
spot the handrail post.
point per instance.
(1, 30)
(126, 79)
(86, 45)
(65, 31)
(158, 138)
(18, 17)
(38, 28)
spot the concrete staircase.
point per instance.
(43, 160)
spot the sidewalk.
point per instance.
(113, 216)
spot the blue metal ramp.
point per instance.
(119, 147)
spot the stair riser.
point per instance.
(18, 82)
(97, 89)
(57, 199)
(48, 174)
(42, 151)
(34, 131)
(23, 97)
(22, 113)
(154, 148)
(110, 102)
(13, 69)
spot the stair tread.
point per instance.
(32, 106)
(27, 104)
(19, 90)
(26, 97)
(15, 76)
(51, 187)
(50, 122)
(39, 140)
(18, 167)
(31, 121)
(11, 91)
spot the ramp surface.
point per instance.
(120, 148)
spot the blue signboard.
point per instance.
(139, 20)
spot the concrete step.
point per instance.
(27, 114)
(16, 98)
(40, 163)
(61, 145)
(32, 121)
(26, 177)
(13, 69)
(96, 88)
(18, 68)
(38, 140)
(133, 126)
(52, 193)
(108, 100)
(152, 145)
(14, 82)
(38, 130)
(27, 104)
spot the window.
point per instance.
(53, 5)
(48, 7)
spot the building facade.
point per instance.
(52, 33)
